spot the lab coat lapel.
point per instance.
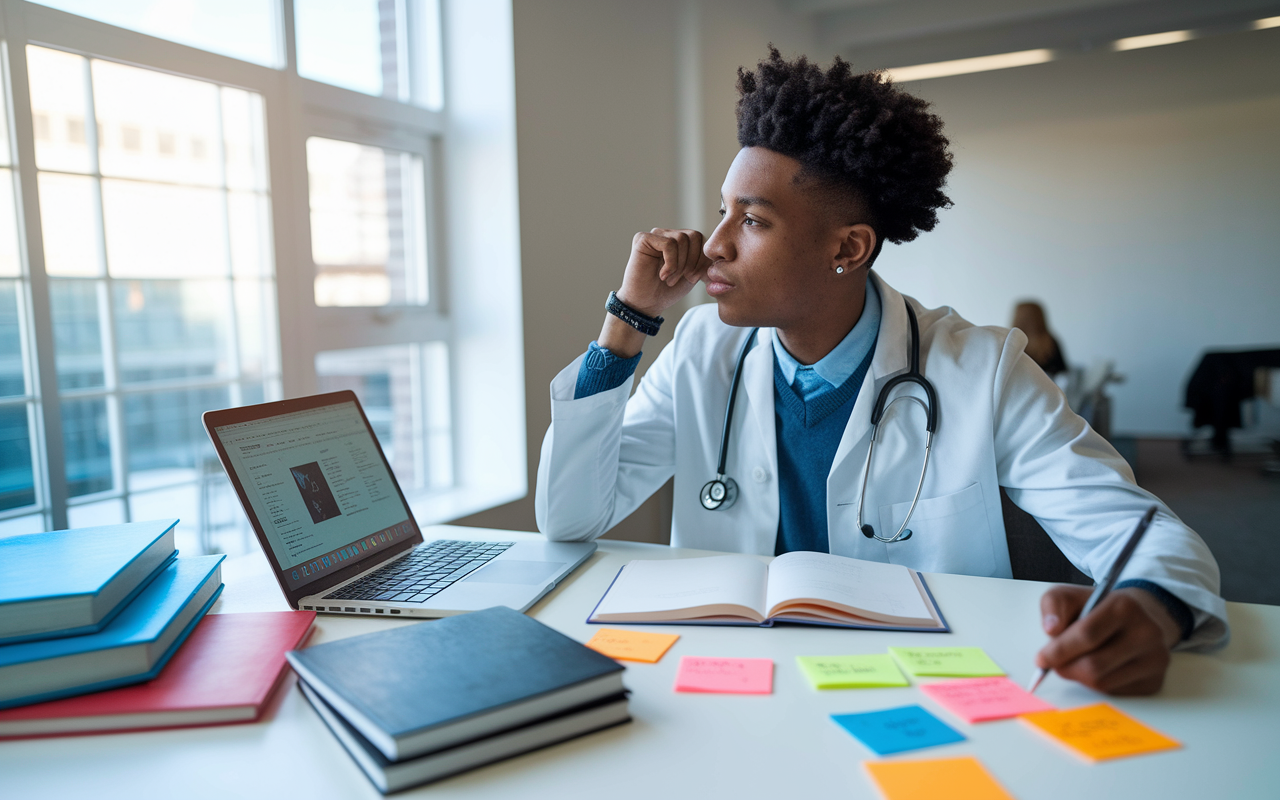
(757, 382)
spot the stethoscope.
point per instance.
(722, 491)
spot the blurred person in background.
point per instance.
(1041, 346)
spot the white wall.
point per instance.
(1136, 194)
(596, 145)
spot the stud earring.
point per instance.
(839, 270)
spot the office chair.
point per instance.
(1032, 554)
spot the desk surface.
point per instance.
(1223, 707)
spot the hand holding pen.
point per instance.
(1115, 642)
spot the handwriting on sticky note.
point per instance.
(982, 699)
(897, 730)
(729, 675)
(632, 645)
(946, 662)
(1100, 732)
(953, 778)
(851, 672)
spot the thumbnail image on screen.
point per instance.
(315, 492)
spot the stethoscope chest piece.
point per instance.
(719, 494)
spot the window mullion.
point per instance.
(116, 439)
(236, 394)
(49, 445)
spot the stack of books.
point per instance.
(95, 608)
(105, 630)
(432, 699)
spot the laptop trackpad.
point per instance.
(514, 571)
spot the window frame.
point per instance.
(296, 108)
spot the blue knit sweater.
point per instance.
(809, 433)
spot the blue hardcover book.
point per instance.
(66, 583)
(432, 685)
(133, 648)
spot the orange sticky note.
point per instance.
(632, 645)
(953, 778)
(1099, 732)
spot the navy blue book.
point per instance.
(66, 583)
(392, 776)
(133, 648)
(432, 685)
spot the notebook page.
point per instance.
(884, 592)
(685, 588)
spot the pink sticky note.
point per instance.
(982, 699)
(733, 675)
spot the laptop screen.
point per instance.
(319, 487)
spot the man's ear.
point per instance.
(856, 247)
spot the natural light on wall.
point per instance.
(1152, 40)
(962, 66)
(1263, 24)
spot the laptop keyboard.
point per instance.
(426, 571)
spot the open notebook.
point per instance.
(805, 587)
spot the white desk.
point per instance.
(1225, 708)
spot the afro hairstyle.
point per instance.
(869, 144)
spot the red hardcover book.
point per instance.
(225, 673)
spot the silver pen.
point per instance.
(1105, 586)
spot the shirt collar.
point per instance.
(836, 367)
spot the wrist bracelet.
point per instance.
(647, 325)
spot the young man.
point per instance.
(833, 164)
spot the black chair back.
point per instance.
(1032, 553)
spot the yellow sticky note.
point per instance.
(632, 645)
(946, 662)
(851, 672)
(953, 778)
(1100, 732)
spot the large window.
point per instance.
(156, 233)
(210, 204)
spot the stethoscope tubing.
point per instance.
(727, 487)
(733, 396)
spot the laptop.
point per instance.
(335, 526)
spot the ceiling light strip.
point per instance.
(1152, 40)
(963, 66)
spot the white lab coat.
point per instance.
(1002, 422)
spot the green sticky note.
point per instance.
(946, 662)
(851, 672)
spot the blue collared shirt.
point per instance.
(836, 367)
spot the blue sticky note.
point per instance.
(897, 730)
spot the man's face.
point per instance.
(775, 247)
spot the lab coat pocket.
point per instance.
(950, 533)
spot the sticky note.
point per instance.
(946, 662)
(953, 778)
(729, 675)
(1100, 732)
(897, 730)
(982, 699)
(632, 645)
(851, 672)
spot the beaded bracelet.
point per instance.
(647, 325)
